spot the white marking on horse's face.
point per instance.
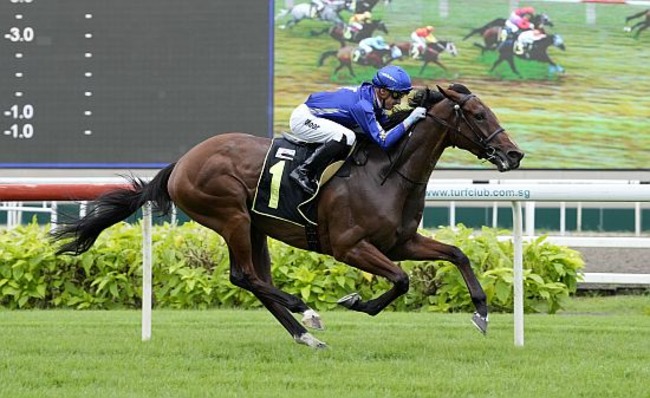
(451, 49)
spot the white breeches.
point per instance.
(307, 127)
(419, 41)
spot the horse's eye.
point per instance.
(480, 116)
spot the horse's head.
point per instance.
(450, 47)
(542, 20)
(558, 42)
(472, 126)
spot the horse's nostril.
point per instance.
(514, 154)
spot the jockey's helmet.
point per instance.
(379, 40)
(366, 15)
(430, 28)
(392, 78)
(527, 10)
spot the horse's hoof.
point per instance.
(309, 340)
(311, 319)
(481, 322)
(349, 301)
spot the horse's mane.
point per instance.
(423, 97)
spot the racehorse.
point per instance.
(368, 217)
(641, 25)
(337, 32)
(431, 53)
(345, 56)
(330, 13)
(492, 31)
(538, 52)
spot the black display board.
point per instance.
(129, 83)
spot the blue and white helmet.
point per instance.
(392, 78)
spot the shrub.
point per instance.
(191, 271)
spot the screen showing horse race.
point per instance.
(568, 80)
(124, 83)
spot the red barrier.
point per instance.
(56, 192)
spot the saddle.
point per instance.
(276, 195)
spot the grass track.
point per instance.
(226, 353)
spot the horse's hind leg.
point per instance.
(421, 248)
(250, 269)
(262, 264)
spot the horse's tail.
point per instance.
(113, 207)
(326, 55)
(482, 29)
(282, 13)
(472, 33)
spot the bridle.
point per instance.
(478, 139)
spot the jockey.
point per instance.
(366, 46)
(526, 39)
(356, 22)
(520, 20)
(330, 117)
(422, 38)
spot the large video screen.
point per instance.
(578, 97)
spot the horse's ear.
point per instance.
(443, 92)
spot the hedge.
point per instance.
(191, 271)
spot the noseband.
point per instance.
(478, 139)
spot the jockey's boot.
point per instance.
(305, 174)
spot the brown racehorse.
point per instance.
(376, 59)
(431, 53)
(367, 219)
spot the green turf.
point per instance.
(599, 348)
(593, 116)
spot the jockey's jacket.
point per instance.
(359, 18)
(425, 35)
(356, 107)
(517, 17)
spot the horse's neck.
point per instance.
(420, 152)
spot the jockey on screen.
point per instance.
(366, 46)
(520, 19)
(422, 38)
(329, 118)
(356, 22)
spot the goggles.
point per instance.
(398, 94)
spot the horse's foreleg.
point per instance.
(511, 62)
(368, 258)
(435, 61)
(349, 65)
(641, 29)
(425, 249)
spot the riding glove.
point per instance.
(417, 114)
